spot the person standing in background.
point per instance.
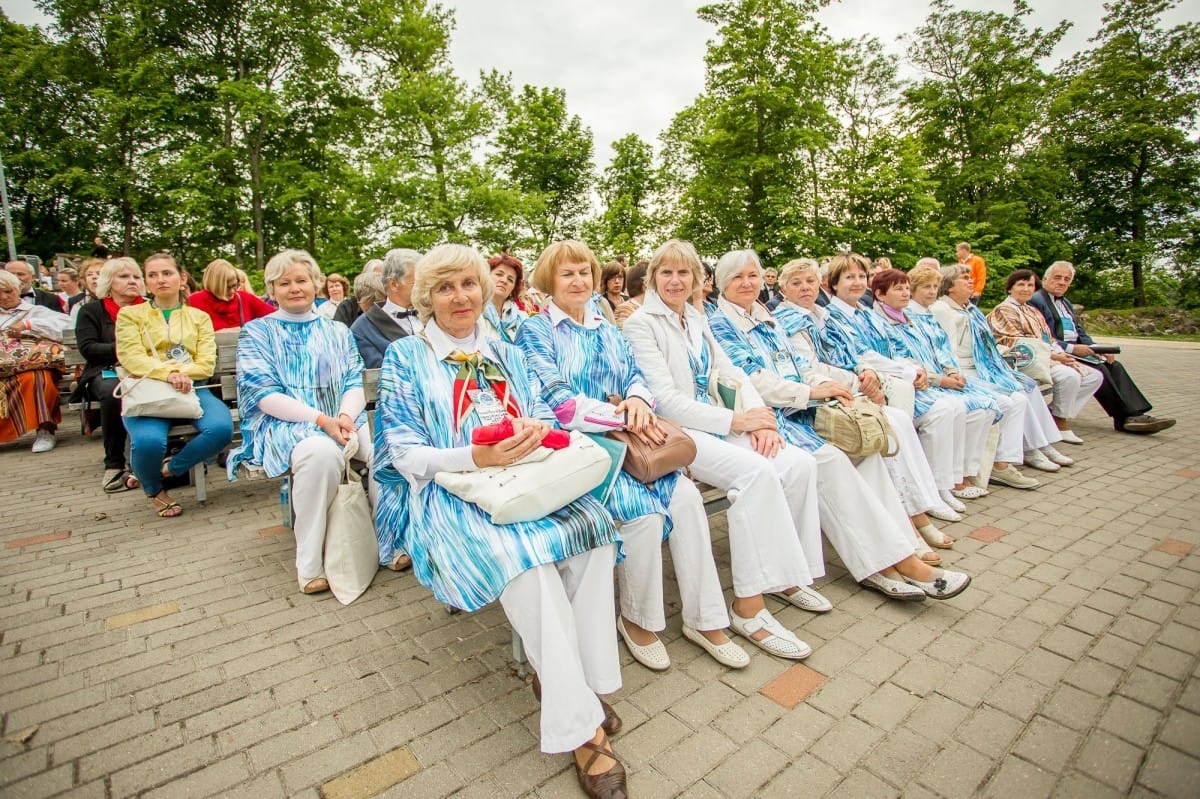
(977, 268)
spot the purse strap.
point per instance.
(348, 453)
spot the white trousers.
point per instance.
(860, 512)
(1072, 389)
(774, 530)
(640, 574)
(943, 432)
(1040, 429)
(1011, 446)
(979, 425)
(316, 472)
(564, 615)
(909, 468)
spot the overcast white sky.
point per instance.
(630, 65)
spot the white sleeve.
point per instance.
(422, 463)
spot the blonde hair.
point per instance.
(217, 277)
(795, 267)
(676, 251)
(920, 275)
(281, 262)
(109, 271)
(440, 263)
(840, 263)
(568, 251)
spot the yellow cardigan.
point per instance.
(142, 342)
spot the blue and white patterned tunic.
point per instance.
(764, 347)
(505, 325)
(314, 361)
(793, 320)
(583, 365)
(457, 551)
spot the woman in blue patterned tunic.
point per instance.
(941, 419)
(916, 335)
(553, 575)
(502, 314)
(860, 512)
(301, 398)
(567, 342)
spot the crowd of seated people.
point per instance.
(542, 351)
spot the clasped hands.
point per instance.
(340, 428)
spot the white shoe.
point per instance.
(1037, 459)
(1070, 437)
(947, 584)
(780, 641)
(44, 441)
(727, 654)
(653, 655)
(894, 589)
(944, 513)
(935, 537)
(806, 599)
(1062, 460)
(970, 491)
(952, 501)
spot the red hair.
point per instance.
(504, 259)
(885, 280)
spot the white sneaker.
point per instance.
(44, 441)
(1070, 437)
(1062, 460)
(780, 641)
(1037, 459)
(806, 599)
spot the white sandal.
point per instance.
(780, 641)
(935, 537)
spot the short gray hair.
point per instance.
(9, 281)
(932, 263)
(1059, 265)
(281, 262)
(397, 263)
(368, 287)
(950, 273)
(109, 271)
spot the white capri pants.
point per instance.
(317, 466)
(766, 507)
(1072, 389)
(564, 614)
(640, 574)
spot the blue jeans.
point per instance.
(148, 441)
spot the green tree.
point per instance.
(1125, 126)
(545, 152)
(746, 156)
(629, 190)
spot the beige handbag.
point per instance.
(351, 551)
(859, 430)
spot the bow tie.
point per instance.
(404, 313)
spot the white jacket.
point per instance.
(660, 346)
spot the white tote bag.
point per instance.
(146, 396)
(351, 552)
(542, 482)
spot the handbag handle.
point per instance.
(348, 453)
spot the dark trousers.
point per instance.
(111, 427)
(1118, 394)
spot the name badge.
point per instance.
(179, 354)
(487, 406)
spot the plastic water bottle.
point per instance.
(285, 502)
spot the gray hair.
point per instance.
(9, 281)
(950, 273)
(397, 263)
(368, 287)
(374, 266)
(932, 263)
(109, 271)
(733, 262)
(281, 262)
(1059, 265)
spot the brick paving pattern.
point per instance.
(174, 657)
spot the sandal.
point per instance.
(117, 480)
(612, 723)
(317, 585)
(164, 508)
(607, 784)
(922, 551)
(935, 537)
(779, 641)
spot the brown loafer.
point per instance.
(612, 723)
(606, 785)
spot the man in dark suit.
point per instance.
(393, 318)
(24, 273)
(1118, 395)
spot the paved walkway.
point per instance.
(175, 658)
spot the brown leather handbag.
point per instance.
(646, 463)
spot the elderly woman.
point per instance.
(502, 314)
(164, 339)
(635, 289)
(855, 335)
(1015, 318)
(975, 347)
(120, 285)
(29, 400)
(859, 510)
(301, 394)
(553, 575)
(774, 531)
(568, 343)
(337, 287)
(221, 298)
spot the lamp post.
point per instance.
(12, 246)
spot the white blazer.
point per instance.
(660, 346)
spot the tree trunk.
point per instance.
(1138, 229)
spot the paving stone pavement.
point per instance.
(174, 657)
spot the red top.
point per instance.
(225, 313)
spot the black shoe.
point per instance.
(1144, 424)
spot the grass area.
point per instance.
(1164, 323)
